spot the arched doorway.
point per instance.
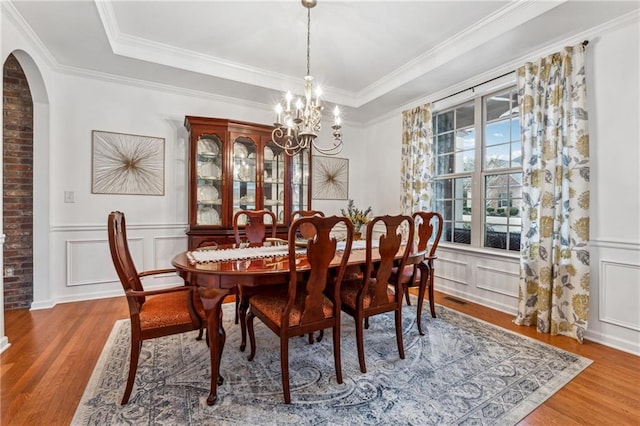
(17, 184)
(42, 294)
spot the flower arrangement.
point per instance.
(358, 217)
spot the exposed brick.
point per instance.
(17, 185)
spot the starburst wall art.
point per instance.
(127, 164)
(330, 178)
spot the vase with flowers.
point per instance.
(357, 217)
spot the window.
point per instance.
(478, 171)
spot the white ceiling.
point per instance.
(370, 57)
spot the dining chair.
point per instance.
(428, 227)
(307, 231)
(303, 306)
(153, 313)
(255, 229)
(378, 290)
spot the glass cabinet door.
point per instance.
(209, 176)
(274, 179)
(300, 181)
(244, 174)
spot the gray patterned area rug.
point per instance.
(463, 371)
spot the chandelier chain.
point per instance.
(308, 41)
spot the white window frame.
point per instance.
(477, 220)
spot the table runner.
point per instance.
(213, 254)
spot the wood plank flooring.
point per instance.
(53, 352)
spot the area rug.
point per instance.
(463, 371)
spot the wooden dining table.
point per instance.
(216, 279)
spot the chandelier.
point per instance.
(298, 124)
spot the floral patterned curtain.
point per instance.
(554, 265)
(417, 160)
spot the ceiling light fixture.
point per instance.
(297, 125)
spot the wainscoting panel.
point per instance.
(165, 247)
(619, 294)
(83, 267)
(497, 280)
(452, 270)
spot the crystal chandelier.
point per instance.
(297, 125)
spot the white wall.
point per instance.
(79, 259)
(613, 78)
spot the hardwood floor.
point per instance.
(53, 352)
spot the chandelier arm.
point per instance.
(335, 149)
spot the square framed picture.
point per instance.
(330, 178)
(127, 164)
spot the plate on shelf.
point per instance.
(207, 193)
(208, 148)
(245, 174)
(209, 170)
(208, 216)
(239, 150)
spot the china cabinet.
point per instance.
(233, 166)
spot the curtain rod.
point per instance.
(584, 44)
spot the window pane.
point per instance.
(498, 105)
(444, 143)
(498, 133)
(468, 161)
(497, 157)
(442, 189)
(465, 139)
(444, 164)
(444, 122)
(465, 115)
(462, 232)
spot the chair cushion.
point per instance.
(271, 304)
(406, 273)
(349, 292)
(165, 310)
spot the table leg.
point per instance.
(212, 301)
(425, 273)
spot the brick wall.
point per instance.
(17, 186)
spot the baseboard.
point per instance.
(613, 342)
(4, 343)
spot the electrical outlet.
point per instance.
(69, 197)
(8, 272)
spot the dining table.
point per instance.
(217, 270)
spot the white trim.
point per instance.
(4, 344)
(602, 314)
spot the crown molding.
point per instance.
(508, 17)
(25, 29)
(630, 18)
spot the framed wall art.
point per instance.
(330, 178)
(127, 164)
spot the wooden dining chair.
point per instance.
(303, 307)
(429, 230)
(379, 290)
(255, 229)
(153, 313)
(307, 231)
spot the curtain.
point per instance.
(554, 265)
(416, 171)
